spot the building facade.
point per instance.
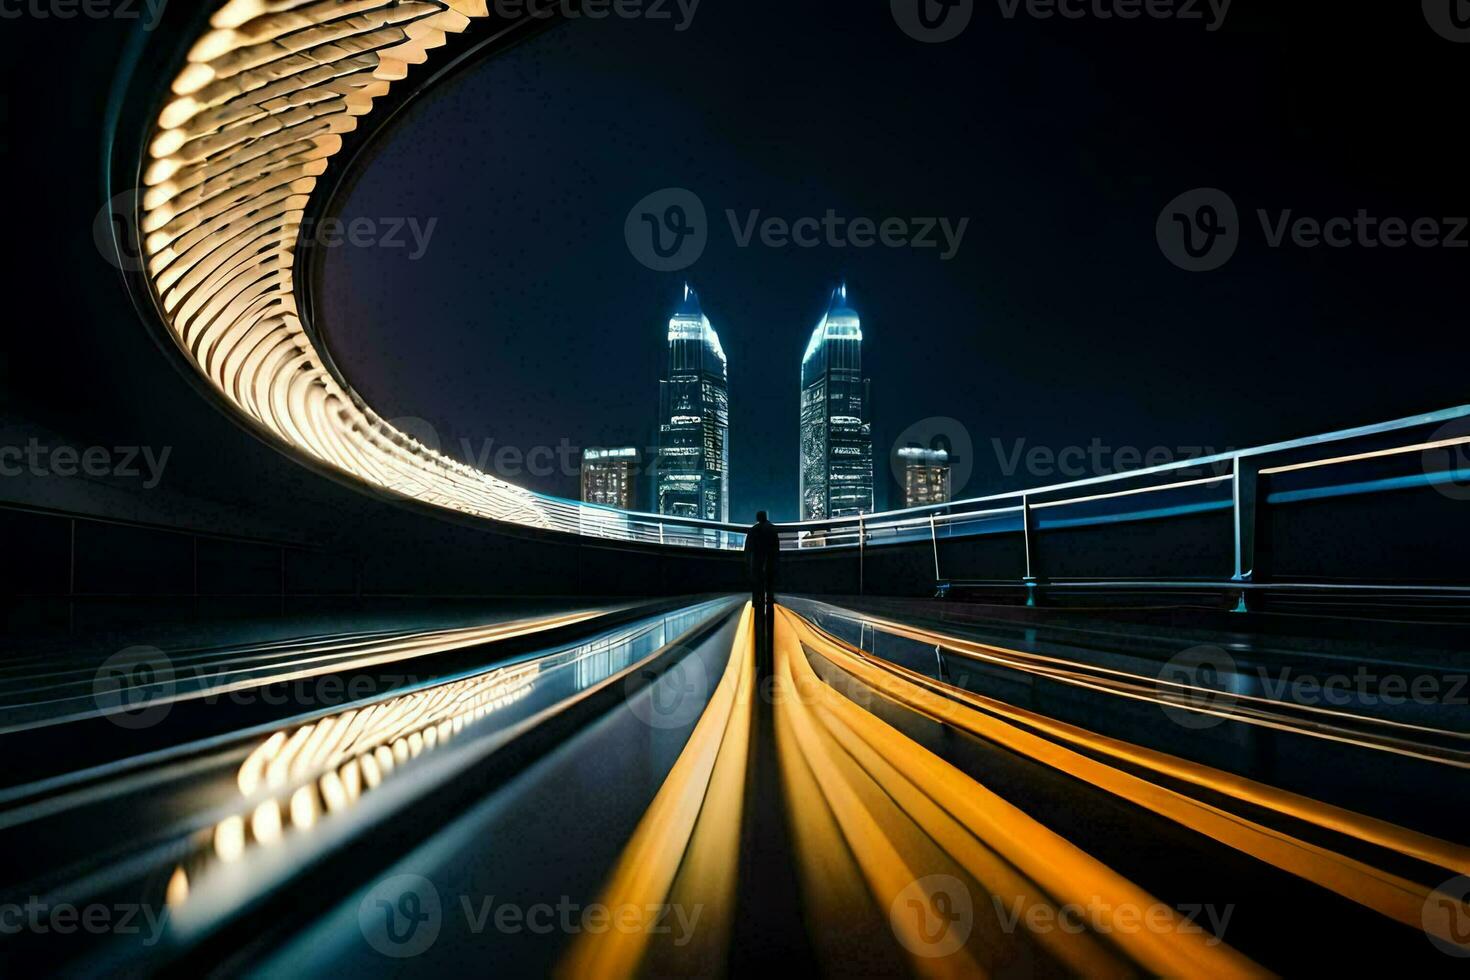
(836, 433)
(692, 473)
(610, 477)
(925, 476)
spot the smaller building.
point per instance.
(925, 476)
(610, 477)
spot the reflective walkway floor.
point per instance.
(636, 790)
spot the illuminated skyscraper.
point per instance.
(610, 477)
(926, 476)
(836, 434)
(692, 475)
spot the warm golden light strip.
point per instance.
(1410, 843)
(1385, 893)
(1422, 447)
(233, 161)
(688, 842)
(970, 824)
(297, 775)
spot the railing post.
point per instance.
(1252, 526)
(1027, 527)
(934, 540)
(862, 556)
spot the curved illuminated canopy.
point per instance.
(233, 160)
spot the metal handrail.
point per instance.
(870, 529)
(835, 533)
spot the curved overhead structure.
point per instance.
(233, 159)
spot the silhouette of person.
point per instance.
(762, 555)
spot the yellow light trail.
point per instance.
(1046, 866)
(686, 847)
(1337, 819)
(1385, 893)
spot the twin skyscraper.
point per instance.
(692, 471)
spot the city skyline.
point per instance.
(1060, 278)
(691, 472)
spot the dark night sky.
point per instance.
(528, 321)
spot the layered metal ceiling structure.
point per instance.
(254, 115)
